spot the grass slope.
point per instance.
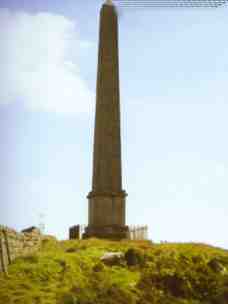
(70, 272)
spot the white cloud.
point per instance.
(38, 59)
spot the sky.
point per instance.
(174, 105)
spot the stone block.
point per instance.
(74, 232)
(114, 232)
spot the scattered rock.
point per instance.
(175, 285)
(215, 265)
(32, 229)
(113, 258)
(72, 250)
(133, 257)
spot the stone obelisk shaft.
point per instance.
(107, 198)
(107, 147)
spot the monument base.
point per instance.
(113, 232)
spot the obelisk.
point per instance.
(107, 198)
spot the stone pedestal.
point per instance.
(107, 209)
(114, 232)
(107, 215)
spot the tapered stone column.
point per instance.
(107, 198)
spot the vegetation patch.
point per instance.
(73, 272)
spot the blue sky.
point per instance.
(174, 105)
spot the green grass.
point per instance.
(70, 272)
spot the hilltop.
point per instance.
(72, 272)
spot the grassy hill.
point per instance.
(72, 272)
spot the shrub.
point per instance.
(135, 257)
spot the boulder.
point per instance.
(113, 258)
(31, 230)
(134, 257)
(215, 265)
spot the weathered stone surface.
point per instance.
(107, 210)
(107, 198)
(74, 232)
(113, 232)
(15, 244)
(113, 258)
(107, 150)
(32, 229)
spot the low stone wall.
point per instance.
(14, 244)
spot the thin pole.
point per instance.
(7, 246)
(2, 258)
